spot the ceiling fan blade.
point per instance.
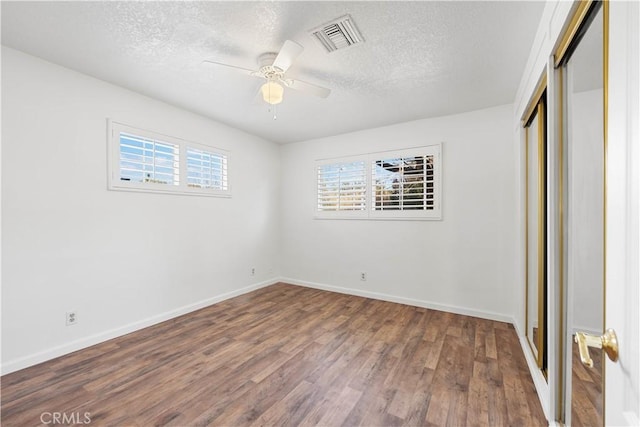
(311, 89)
(289, 52)
(243, 70)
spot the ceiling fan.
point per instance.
(272, 68)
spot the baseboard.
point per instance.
(61, 350)
(402, 300)
(43, 356)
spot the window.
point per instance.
(342, 187)
(140, 160)
(206, 169)
(147, 160)
(402, 184)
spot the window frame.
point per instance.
(113, 163)
(369, 213)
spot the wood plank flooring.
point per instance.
(586, 391)
(290, 356)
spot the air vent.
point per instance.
(337, 34)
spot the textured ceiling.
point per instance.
(419, 59)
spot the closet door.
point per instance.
(588, 345)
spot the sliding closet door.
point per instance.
(581, 71)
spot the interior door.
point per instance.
(622, 388)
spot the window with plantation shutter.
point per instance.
(342, 187)
(406, 183)
(147, 160)
(206, 169)
(402, 184)
(141, 160)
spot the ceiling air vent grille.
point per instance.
(337, 34)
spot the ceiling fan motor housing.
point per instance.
(267, 70)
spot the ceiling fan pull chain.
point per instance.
(274, 108)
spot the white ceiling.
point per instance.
(419, 59)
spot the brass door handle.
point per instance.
(608, 342)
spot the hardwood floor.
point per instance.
(586, 391)
(288, 356)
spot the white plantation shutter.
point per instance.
(395, 185)
(342, 187)
(405, 183)
(206, 169)
(141, 160)
(148, 160)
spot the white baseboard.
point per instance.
(402, 300)
(61, 350)
(43, 356)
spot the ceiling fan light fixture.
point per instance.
(272, 92)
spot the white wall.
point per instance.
(463, 263)
(121, 259)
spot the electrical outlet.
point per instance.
(72, 318)
(363, 276)
(253, 271)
